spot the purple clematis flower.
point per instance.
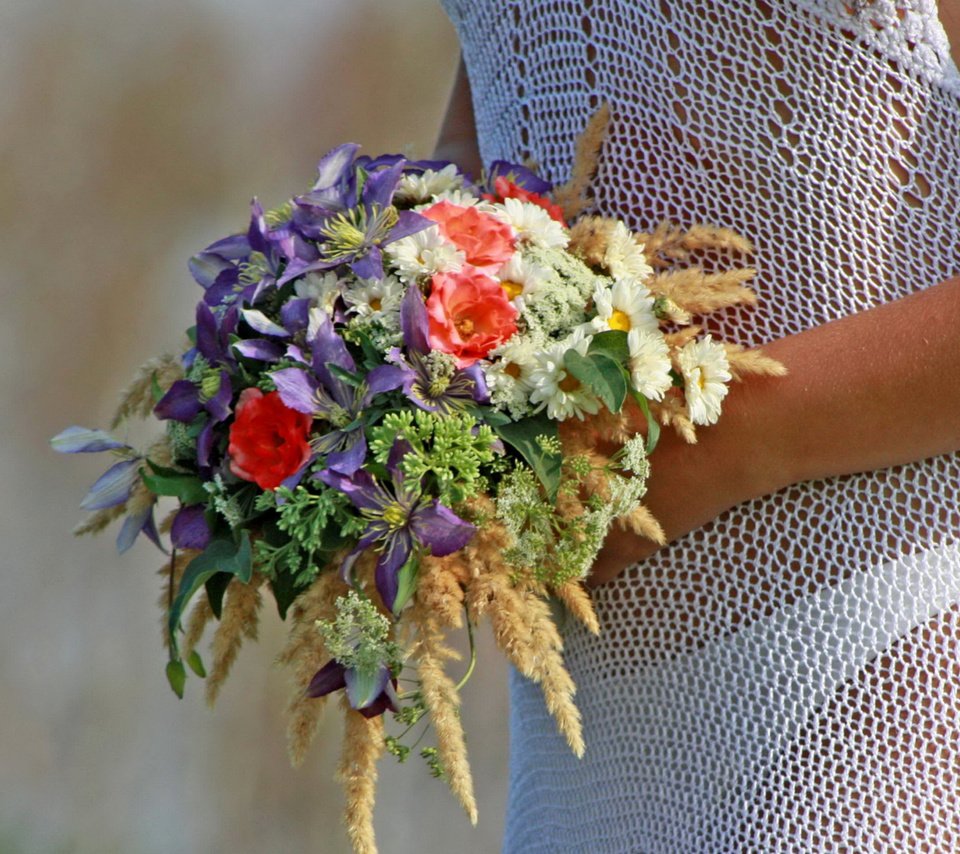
(243, 266)
(400, 520)
(279, 339)
(369, 694)
(433, 385)
(115, 486)
(184, 401)
(350, 213)
(322, 394)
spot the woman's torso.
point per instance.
(786, 678)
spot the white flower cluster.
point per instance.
(561, 305)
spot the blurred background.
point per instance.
(132, 134)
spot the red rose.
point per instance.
(506, 189)
(268, 440)
(469, 315)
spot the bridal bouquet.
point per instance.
(408, 402)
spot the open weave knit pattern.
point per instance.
(787, 678)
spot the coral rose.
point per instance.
(486, 241)
(268, 440)
(469, 315)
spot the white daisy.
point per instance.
(706, 373)
(375, 300)
(533, 224)
(508, 375)
(649, 363)
(625, 306)
(624, 257)
(521, 278)
(423, 254)
(415, 188)
(322, 289)
(463, 198)
(561, 393)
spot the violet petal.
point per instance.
(363, 688)
(208, 339)
(258, 321)
(219, 405)
(441, 529)
(205, 267)
(327, 679)
(113, 486)
(392, 558)
(180, 403)
(82, 440)
(234, 247)
(295, 314)
(360, 488)
(408, 223)
(381, 185)
(297, 389)
(481, 394)
(190, 529)
(132, 526)
(327, 347)
(369, 265)
(414, 321)
(260, 349)
(205, 444)
(348, 460)
(384, 378)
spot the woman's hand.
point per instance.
(868, 391)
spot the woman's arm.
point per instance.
(458, 132)
(871, 390)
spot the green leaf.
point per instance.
(164, 481)
(196, 664)
(285, 591)
(220, 556)
(612, 344)
(653, 428)
(601, 374)
(216, 587)
(348, 377)
(522, 437)
(407, 582)
(176, 676)
(494, 417)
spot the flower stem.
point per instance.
(473, 656)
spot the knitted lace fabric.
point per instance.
(788, 677)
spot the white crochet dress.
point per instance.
(788, 677)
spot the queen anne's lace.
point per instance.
(787, 678)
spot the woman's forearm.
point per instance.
(457, 140)
(868, 391)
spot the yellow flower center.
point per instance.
(569, 384)
(394, 515)
(619, 320)
(376, 304)
(464, 326)
(512, 370)
(513, 289)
